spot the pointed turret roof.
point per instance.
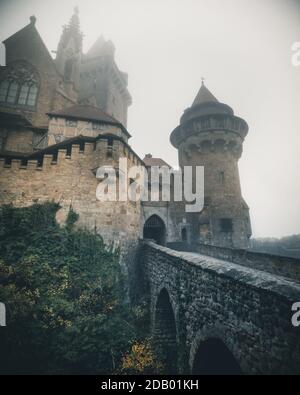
(204, 96)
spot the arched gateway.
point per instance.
(155, 229)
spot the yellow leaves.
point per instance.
(140, 359)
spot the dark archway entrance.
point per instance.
(155, 229)
(213, 358)
(183, 234)
(164, 333)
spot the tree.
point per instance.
(63, 291)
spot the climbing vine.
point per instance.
(64, 295)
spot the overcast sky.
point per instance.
(241, 47)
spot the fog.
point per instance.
(241, 47)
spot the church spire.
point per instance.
(69, 51)
(74, 21)
(71, 32)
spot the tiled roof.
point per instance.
(150, 161)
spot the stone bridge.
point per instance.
(211, 316)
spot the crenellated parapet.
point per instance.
(66, 173)
(104, 149)
(232, 125)
(221, 141)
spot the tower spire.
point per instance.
(74, 21)
(204, 95)
(69, 51)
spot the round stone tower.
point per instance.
(210, 135)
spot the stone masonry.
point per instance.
(248, 311)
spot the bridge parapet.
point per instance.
(275, 264)
(245, 312)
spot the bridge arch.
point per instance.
(214, 358)
(211, 355)
(165, 333)
(155, 228)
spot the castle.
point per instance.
(62, 118)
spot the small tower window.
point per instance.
(226, 225)
(110, 142)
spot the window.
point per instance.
(23, 94)
(3, 90)
(12, 92)
(226, 225)
(71, 123)
(110, 143)
(20, 86)
(31, 99)
(97, 126)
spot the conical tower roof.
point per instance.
(204, 96)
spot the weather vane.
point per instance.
(202, 79)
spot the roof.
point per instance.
(30, 33)
(97, 47)
(150, 161)
(204, 96)
(14, 119)
(87, 112)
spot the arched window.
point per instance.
(8, 91)
(20, 86)
(28, 94)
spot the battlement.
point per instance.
(209, 123)
(104, 148)
(65, 173)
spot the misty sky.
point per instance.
(241, 47)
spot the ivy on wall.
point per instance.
(64, 296)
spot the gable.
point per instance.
(27, 44)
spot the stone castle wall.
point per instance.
(70, 180)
